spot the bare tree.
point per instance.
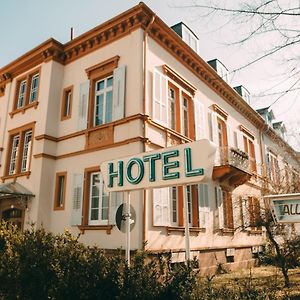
(283, 238)
(271, 27)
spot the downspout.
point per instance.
(5, 121)
(144, 118)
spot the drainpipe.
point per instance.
(144, 116)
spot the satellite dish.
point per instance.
(121, 217)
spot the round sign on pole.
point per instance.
(121, 218)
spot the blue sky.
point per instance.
(26, 24)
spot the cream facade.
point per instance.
(128, 86)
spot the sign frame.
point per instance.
(284, 204)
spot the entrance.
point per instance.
(14, 216)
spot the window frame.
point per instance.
(21, 132)
(27, 102)
(95, 74)
(67, 91)
(60, 205)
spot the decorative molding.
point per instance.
(220, 111)
(247, 132)
(179, 79)
(99, 137)
(103, 67)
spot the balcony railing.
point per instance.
(234, 157)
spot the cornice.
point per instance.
(139, 16)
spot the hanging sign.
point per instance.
(184, 164)
(285, 208)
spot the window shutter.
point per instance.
(214, 124)
(77, 194)
(161, 208)
(203, 205)
(235, 211)
(240, 141)
(83, 105)
(119, 93)
(246, 214)
(160, 98)
(230, 135)
(115, 200)
(258, 158)
(199, 120)
(220, 209)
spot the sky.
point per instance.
(26, 24)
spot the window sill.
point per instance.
(254, 232)
(225, 231)
(14, 176)
(83, 228)
(196, 230)
(24, 108)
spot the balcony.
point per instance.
(232, 166)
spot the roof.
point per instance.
(13, 189)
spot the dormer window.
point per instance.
(243, 92)
(187, 35)
(220, 69)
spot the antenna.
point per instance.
(72, 33)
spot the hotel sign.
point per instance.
(184, 164)
(285, 208)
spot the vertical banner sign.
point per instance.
(285, 208)
(184, 164)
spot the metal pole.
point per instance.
(186, 226)
(128, 228)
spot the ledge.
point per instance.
(197, 230)
(83, 228)
(24, 108)
(254, 232)
(225, 231)
(27, 174)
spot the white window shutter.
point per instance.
(119, 88)
(115, 200)
(258, 158)
(214, 124)
(203, 205)
(77, 195)
(160, 98)
(199, 120)
(220, 208)
(83, 105)
(240, 141)
(161, 207)
(230, 135)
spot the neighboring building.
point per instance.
(65, 108)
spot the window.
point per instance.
(27, 91)
(21, 97)
(34, 88)
(254, 212)
(228, 209)
(66, 106)
(168, 206)
(60, 190)
(19, 150)
(249, 149)
(272, 167)
(103, 101)
(185, 116)
(174, 204)
(98, 200)
(173, 106)
(107, 96)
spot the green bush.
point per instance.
(36, 264)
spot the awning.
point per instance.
(14, 189)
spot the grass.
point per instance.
(261, 278)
